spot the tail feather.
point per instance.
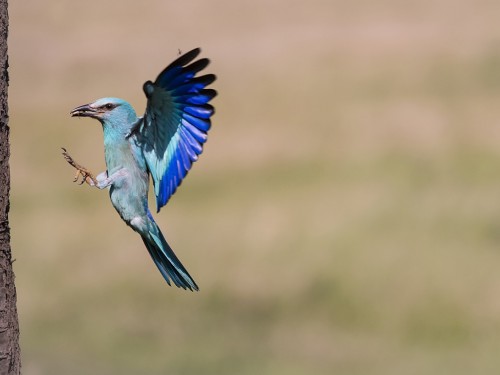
(167, 262)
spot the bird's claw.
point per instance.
(86, 175)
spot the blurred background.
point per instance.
(343, 219)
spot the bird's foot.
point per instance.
(82, 172)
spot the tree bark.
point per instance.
(9, 328)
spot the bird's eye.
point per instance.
(109, 106)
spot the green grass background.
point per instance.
(343, 219)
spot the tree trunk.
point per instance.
(9, 328)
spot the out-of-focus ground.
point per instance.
(344, 218)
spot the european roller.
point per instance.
(162, 144)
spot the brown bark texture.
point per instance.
(9, 327)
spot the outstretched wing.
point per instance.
(176, 122)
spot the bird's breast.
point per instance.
(129, 193)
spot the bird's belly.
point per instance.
(128, 204)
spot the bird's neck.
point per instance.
(116, 149)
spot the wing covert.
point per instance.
(176, 122)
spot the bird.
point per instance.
(161, 145)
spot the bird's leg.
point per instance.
(86, 175)
(103, 181)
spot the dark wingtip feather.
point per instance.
(198, 65)
(187, 57)
(181, 61)
(194, 85)
(206, 79)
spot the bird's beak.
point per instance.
(85, 110)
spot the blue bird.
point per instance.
(162, 144)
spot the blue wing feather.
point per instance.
(197, 134)
(185, 74)
(176, 122)
(203, 97)
(193, 86)
(201, 111)
(186, 161)
(195, 148)
(199, 123)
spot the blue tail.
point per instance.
(167, 262)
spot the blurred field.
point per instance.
(344, 218)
